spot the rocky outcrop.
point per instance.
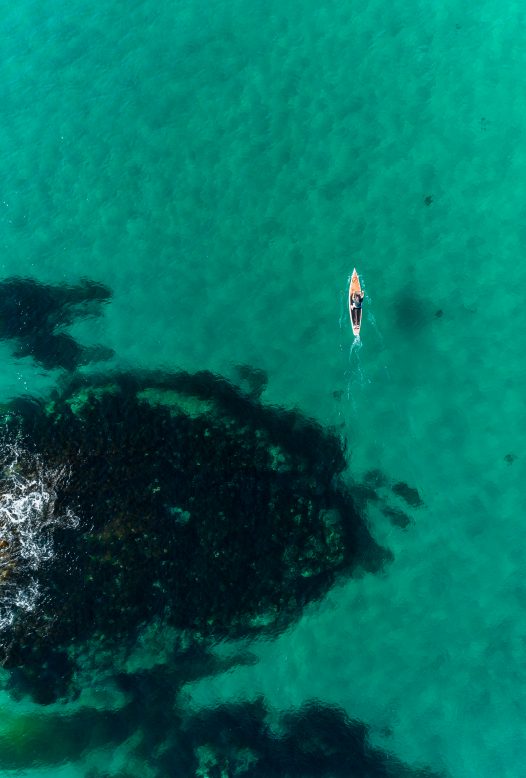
(194, 503)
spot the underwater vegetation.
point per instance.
(237, 739)
(316, 740)
(32, 315)
(194, 504)
(234, 739)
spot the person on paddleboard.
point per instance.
(357, 299)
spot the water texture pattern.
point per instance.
(216, 170)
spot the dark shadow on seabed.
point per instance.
(32, 315)
(315, 741)
(206, 511)
(196, 504)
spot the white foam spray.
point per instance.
(28, 517)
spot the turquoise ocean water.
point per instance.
(222, 167)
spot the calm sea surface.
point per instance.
(220, 168)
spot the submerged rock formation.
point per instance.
(194, 504)
(231, 741)
(32, 315)
(316, 741)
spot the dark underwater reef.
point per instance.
(318, 740)
(374, 483)
(196, 504)
(32, 315)
(315, 741)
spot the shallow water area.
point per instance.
(215, 174)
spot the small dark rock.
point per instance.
(33, 314)
(397, 517)
(408, 493)
(375, 477)
(254, 378)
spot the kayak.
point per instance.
(355, 313)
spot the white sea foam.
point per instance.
(28, 518)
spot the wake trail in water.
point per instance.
(28, 518)
(356, 375)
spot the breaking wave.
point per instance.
(28, 518)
